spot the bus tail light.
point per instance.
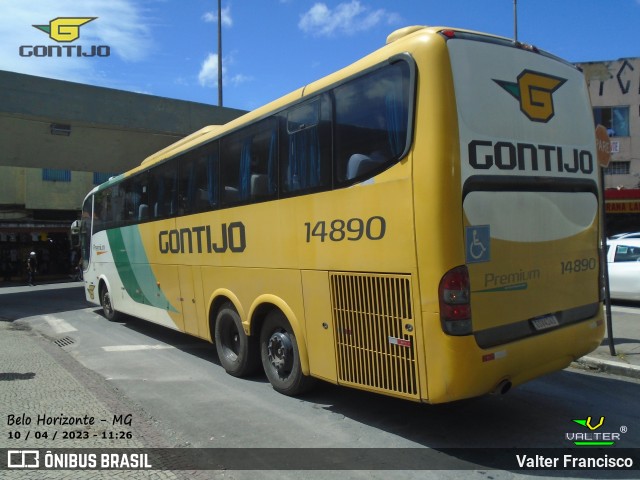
(454, 294)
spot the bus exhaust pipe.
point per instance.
(503, 387)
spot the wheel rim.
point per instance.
(280, 352)
(106, 303)
(230, 339)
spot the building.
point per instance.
(60, 139)
(614, 87)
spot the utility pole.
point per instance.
(515, 20)
(219, 53)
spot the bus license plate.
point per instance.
(543, 323)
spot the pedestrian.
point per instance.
(32, 268)
(77, 271)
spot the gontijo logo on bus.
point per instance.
(529, 157)
(64, 29)
(534, 91)
(200, 239)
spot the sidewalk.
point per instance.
(41, 384)
(626, 336)
(40, 280)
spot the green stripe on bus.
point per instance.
(506, 288)
(134, 269)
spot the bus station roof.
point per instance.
(46, 123)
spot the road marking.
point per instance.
(58, 325)
(25, 289)
(134, 348)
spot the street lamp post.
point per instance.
(219, 53)
(515, 20)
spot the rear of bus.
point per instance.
(517, 217)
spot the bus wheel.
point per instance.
(281, 357)
(238, 353)
(107, 306)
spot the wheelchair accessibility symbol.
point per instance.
(478, 243)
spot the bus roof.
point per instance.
(180, 143)
(399, 41)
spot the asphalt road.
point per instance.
(178, 381)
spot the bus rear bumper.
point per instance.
(458, 368)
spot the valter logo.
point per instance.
(64, 30)
(592, 436)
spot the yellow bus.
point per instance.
(423, 223)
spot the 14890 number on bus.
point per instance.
(353, 229)
(578, 265)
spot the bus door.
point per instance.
(192, 301)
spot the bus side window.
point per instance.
(129, 200)
(211, 160)
(198, 181)
(371, 122)
(305, 163)
(135, 196)
(205, 182)
(263, 183)
(230, 152)
(117, 205)
(141, 188)
(101, 205)
(186, 184)
(248, 157)
(162, 196)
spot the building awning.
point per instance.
(624, 201)
(45, 227)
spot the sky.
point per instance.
(169, 48)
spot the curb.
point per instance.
(608, 366)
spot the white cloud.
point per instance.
(345, 18)
(238, 79)
(120, 25)
(208, 75)
(212, 17)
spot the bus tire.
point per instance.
(237, 352)
(281, 357)
(109, 312)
